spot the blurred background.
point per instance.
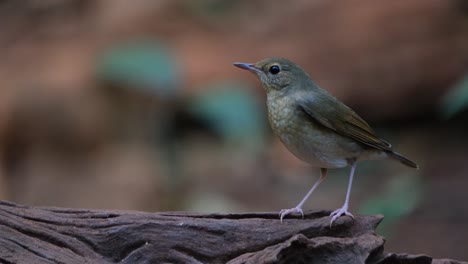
(136, 106)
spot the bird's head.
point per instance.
(276, 73)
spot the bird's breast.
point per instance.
(306, 139)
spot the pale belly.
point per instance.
(317, 149)
(312, 142)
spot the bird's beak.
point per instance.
(247, 66)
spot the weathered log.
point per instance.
(59, 235)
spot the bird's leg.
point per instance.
(298, 208)
(344, 209)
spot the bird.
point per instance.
(316, 127)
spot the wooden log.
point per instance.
(60, 235)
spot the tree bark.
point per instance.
(60, 235)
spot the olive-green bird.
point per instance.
(315, 126)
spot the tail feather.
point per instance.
(402, 159)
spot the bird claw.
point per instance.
(339, 212)
(294, 210)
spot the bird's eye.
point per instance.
(275, 69)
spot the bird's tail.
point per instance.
(402, 159)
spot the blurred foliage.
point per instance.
(233, 111)
(209, 8)
(146, 65)
(402, 195)
(211, 202)
(456, 100)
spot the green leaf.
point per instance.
(232, 109)
(402, 195)
(147, 65)
(456, 100)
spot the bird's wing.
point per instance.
(333, 114)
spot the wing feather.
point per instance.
(333, 114)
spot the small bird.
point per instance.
(315, 126)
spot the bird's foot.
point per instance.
(339, 212)
(285, 212)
